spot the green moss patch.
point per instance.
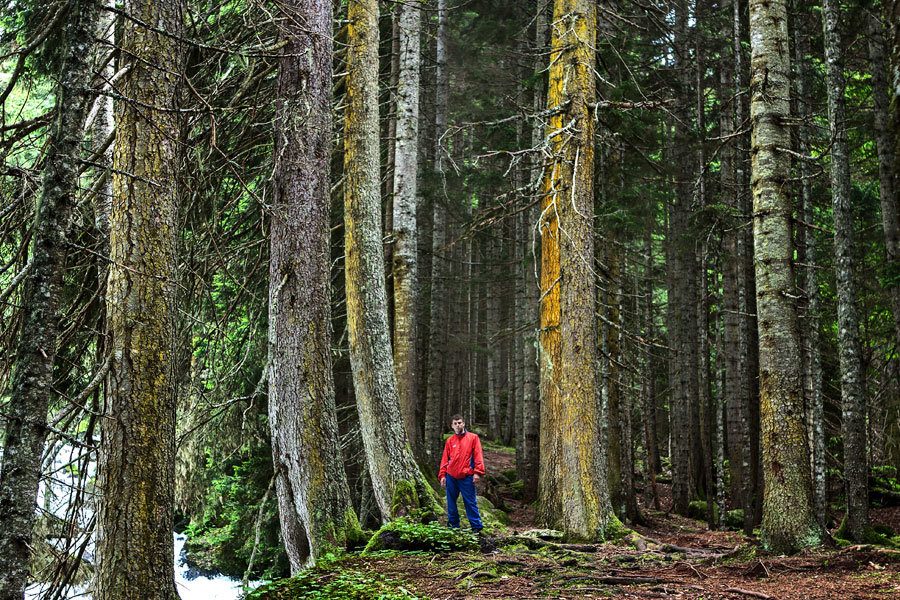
(407, 535)
(336, 579)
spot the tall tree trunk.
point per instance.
(313, 495)
(398, 484)
(735, 389)
(812, 367)
(886, 177)
(35, 354)
(437, 331)
(749, 343)
(647, 391)
(685, 271)
(137, 460)
(892, 18)
(573, 493)
(610, 331)
(531, 401)
(493, 345)
(853, 401)
(788, 517)
(405, 232)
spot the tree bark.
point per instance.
(405, 227)
(437, 331)
(886, 177)
(685, 285)
(137, 459)
(853, 401)
(313, 494)
(572, 491)
(531, 401)
(788, 517)
(812, 367)
(35, 354)
(398, 484)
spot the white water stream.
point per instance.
(53, 496)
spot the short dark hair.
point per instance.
(457, 417)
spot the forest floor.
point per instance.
(669, 556)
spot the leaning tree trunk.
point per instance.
(405, 228)
(398, 484)
(573, 492)
(788, 518)
(137, 457)
(313, 496)
(853, 401)
(32, 381)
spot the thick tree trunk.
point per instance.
(405, 228)
(788, 517)
(313, 495)
(398, 484)
(573, 492)
(137, 459)
(35, 354)
(853, 401)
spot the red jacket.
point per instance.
(462, 456)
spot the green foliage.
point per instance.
(697, 510)
(222, 538)
(406, 534)
(335, 578)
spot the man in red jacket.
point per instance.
(462, 465)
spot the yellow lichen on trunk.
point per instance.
(573, 489)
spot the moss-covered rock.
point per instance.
(406, 534)
(697, 510)
(734, 519)
(493, 519)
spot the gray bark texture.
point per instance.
(32, 380)
(437, 331)
(685, 272)
(405, 226)
(313, 496)
(886, 176)
(788, 518)
(812, 362)
(853, 401)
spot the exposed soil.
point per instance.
(668, 557)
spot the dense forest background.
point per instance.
(651, 248)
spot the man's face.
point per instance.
(458, 426)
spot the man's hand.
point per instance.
(443, 482)
(476, 478)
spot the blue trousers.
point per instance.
(467, 487)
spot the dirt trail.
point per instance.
(722, 565)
